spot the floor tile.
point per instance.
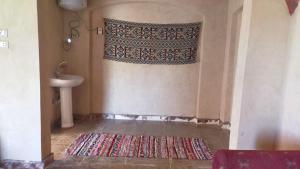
(215, 137)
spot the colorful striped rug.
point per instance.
(122, 145)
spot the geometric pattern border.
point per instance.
(139, 146)
(147, 43)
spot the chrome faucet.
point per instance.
(59, 66)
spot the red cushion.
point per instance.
(236, 159)
(292, 5)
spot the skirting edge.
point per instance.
(198, 121)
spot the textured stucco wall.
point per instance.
(184, 90)
(235, 10)
(256, 123)
(50, 22)
(78, 59)
(289, 137)
(20, 119)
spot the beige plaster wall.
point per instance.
(184, 90)
(256, 120)
(78, 58)
(234, 19)
(20, 109)
(289, 137)
(50, 22)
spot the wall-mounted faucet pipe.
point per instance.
(74, 25)
(85, 23)
(59, 66)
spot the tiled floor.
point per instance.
(215, 137)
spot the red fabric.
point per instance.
(230, 159)
(292, 5)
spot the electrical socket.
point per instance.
(99, 31)
(4, 44)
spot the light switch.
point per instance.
(3, 44)
(3, 33)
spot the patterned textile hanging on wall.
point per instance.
(145, 43)
(292, 5)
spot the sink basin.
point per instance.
(65, 83)
(66, 80)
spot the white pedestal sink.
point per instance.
(66, 83)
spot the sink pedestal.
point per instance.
(66, 107)
(66, 83)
